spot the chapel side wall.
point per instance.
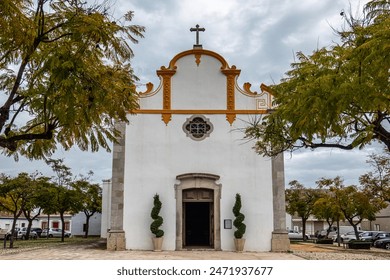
(156, 156)
(106, 208)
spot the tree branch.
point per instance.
(56, 39)
(309, 144)
(11, 142)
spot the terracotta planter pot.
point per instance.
(239, 244)
(157, 243)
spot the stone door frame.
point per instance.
(195, 181)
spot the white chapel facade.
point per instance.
(185, 144)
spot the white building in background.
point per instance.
(185, 143)
(79, 224)
(42, 221)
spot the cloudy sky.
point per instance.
(260, 37)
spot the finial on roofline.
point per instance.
(197, 30)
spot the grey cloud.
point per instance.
(259, 37)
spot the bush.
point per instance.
(325, 241)
(158, 220)
(357, 244)
(238, 221)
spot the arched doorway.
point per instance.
(198, 211)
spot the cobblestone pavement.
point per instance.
(310, 251)
(96, 251)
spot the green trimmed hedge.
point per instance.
(157, 219)
(357, 244)
(325, 241)
(238, 221)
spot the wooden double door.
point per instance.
(198, 218)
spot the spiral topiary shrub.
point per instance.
(238, 221)
(157, 220)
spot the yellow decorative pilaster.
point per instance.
(230, 98)
(166, 75)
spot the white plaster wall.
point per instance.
(79, 220)
(156, 153)
(6, 223)
(106, 208)
(245, 102)
(154, 101)
(198, 87)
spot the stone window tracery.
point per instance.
(197, 127)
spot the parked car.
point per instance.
(322, 233)
(368, 235)
(9, 233)
(3, 233)
(381, 235)
(22, 233)
(347, 236)
(378, 235)
(37, 230)
(54, 232)
(350, 237)
(333, 232)
(292, 234)
(382, 243)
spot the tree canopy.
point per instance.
(14, 195)
(91, 199)
(355, 203)
(339, 96)
(332, 201)
(326, 209)
(377, 181)
(65, 75)
(300, 201)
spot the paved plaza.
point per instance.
(96, 250)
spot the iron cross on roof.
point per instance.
(197, 29)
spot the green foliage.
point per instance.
(35, 192)
(30, 194)
(65, 68)
(238, 221)
(91, 195)
(12, 192)
(14, 195)
(377, 181)
(357, 244)
(300, 201)
(63, 196)
(91, 199)
(325, 208)
(337, 97)
(356, 204)
(157, 220)
(324, 241)
(66, 197)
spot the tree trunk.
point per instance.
(27, 215)
(11, 240)
(63, 227)
(304, 228)
(356, 231)
(87, 226)
(48, 226)
(27, 236)
(338, 233)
